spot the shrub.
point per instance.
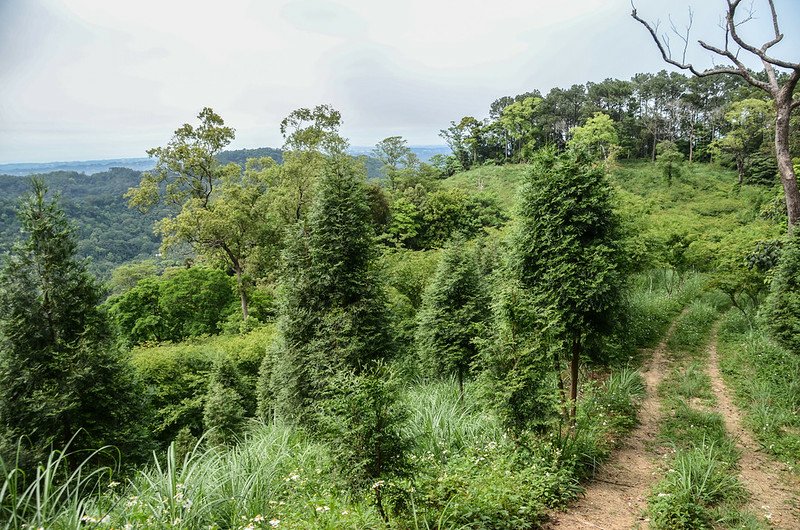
(782, 308)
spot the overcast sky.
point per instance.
(91, 79)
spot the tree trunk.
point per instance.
(740, 170)
(783, 108)
(653, 156)
(573, 369)
(561, 390)
(242, 294)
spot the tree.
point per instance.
(518, 120)
(779, 87)
(749, 120)
(309, 136)
(223, 414)
(454, 309)
(220, 212)
(597, 137)
(333, 313)
(670, 160)
(567, 255)
(782, 308)
(61, 378)
(393, 152)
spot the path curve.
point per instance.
(771, 496)
(617, 496)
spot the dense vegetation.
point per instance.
(452, 345)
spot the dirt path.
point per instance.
(617, 496)
(771, 497)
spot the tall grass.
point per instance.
(442, 425)
(56, 494)
(765, 379)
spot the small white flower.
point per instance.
(274, 523)
(323, 509)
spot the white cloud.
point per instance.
(95, 79)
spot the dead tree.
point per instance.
(780, 88)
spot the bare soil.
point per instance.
(773, 491)
(617, 496)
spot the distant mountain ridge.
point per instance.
(90, 167)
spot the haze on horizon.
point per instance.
(87, 79)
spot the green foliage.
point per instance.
(223, 413)
(782, 308)
(362, 422)
(567, 237)
(454, 311)
(750, 125)
(177, 377)
(107, 231)
(180, 304)
(224, 214)
(670, 159)
(333, 311)
(62, 381)
(597, 137)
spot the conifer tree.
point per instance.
(61, 379)
(782, 307)
(560, 290)
(333, 314)
(567, 254)
(454, 310)
(223, 414)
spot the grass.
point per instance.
(700, 488)
(692, 330)
(765, 379)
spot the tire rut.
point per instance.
(617, 496)
(773, 492)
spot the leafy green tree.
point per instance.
(782, 308)
(181, 303)
(567, 255)
(333, 312)
(750, 122)
(597, 137)
(518, 119)
(454, 310)
(222, 213)
(127, 276)
(670, 160)
(61, 379)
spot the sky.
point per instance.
(96, 79)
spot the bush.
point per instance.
(782, 308)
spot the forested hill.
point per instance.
(108, 231)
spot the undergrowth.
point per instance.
(700, 488)
(765, 379)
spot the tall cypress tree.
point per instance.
(567, 254)
(333, 315)
(561, 288)
(454, 309)
(329, 374)
(61, 379)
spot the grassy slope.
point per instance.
(704, 208)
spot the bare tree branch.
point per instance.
(683, 65)
(758, 52)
